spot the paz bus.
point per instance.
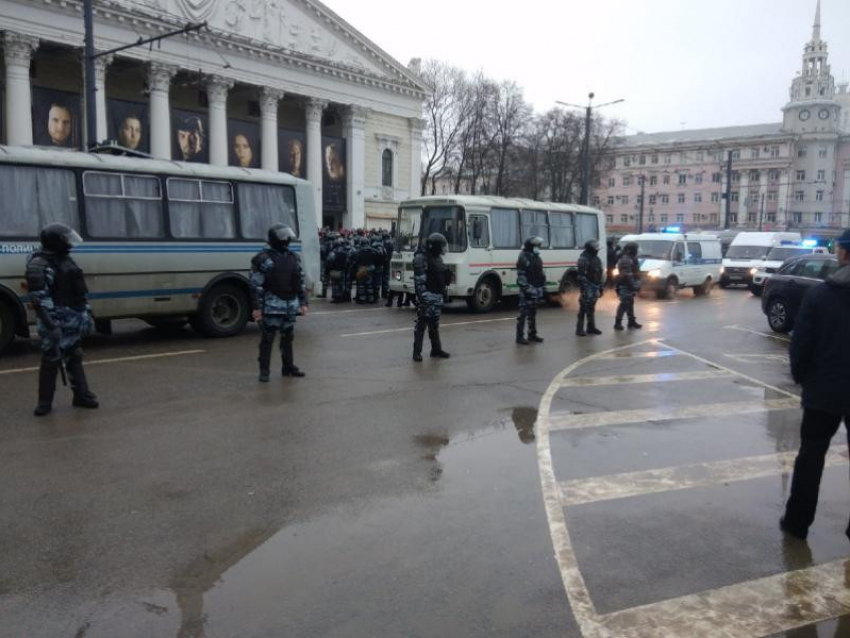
(167, 242)
(485, 235)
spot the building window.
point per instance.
(697, 198)
(754, 153)
(627, 181)
(821, 176)
(665, 198)
(387, 167)
(627, 161)
(652, 217)
(664, 218)
(755, 176)
(799, 196)
(698, 178)
(801, 176)
(797, 218)
(609, 219)
(771, 217)
(639, 199)
(771, 196)
(642, 160)
(624, 219)
(713, 218)
(653, 200)
(680, 217)
(665, 180)
(801, 152)
(610, 200)
(716, 178)
(596, 201)
(681, 198)
(773, 175)
(612, 182)
(733, 218)
(683, 179)
(736, 154)
(751, 218)
(735, 196)
(700, 156)
(653, 181)
(715, 198)
(818, 218)
(736, 177)
(654, 159)
(819, 196)
(668, 159)
(625, 200)
(774, 151)
(823, 151)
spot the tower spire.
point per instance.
(816, 28)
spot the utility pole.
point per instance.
(761, 213)
(728, 191)
(642, 197)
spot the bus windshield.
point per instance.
(409, 220)
(449, 221)
(654, 249)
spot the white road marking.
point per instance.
(442, 325)
(756, 332)
(559, 422)
(117, 360)
(627, 485)
(654, 354)
(346, 312)
(663, 377)
(759, 358)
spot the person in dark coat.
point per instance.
(820, 362)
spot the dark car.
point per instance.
(785, 289)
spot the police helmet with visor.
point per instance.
(59, 238)
(280, 236)
(436, 244)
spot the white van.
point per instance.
(669, 262)
(749, 251)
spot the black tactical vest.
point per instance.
(435, 278)
(534, 270)
(284, 279)
(69, 285)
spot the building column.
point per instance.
(269, 99)
(313, 114)
(217, 88)
(17, 53)
(417, 126)
(159, 82)
(354, 125)
(100, 66)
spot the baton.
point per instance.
(61, 366)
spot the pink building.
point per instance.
(791, 174)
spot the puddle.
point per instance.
(524, 420)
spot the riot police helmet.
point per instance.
(631, 249)
(436, 244)
(339, 242)
(533, 242)
(59, 238)
(280, 235)
(592, 245)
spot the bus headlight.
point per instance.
(654, 274)
(615, 272)
(722, 269)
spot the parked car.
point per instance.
(785, 289)
(774, 260)
(748, 251)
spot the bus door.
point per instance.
(480, 253)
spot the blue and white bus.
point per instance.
(165, 241)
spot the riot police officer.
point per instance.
(279, 295)
(431, 279)
(532, 289)
(57, 290)
(628, 284)
(379, 257)
(389, 248)
(337, 264)
(590, 283)
(362, 269)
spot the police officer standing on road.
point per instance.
(590, 282)
(338, 269)
(820, 362)
(279, 295)
(58, 292)
(532, 289)
(431, 278)
(389, 248)
(628, 284)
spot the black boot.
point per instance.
(46, 386)
(83, 398)
(437, 351)
(580, 324)
(634, 325)
(520, 331)
(289, 367)
(618, 322)
(418, 338)
(265, 358)
(591, 324)
(532, 330)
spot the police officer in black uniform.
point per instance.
(531, 279)
(431, 279)
(58, 293)
(590, 283)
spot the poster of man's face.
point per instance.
(56, 118)
(128, 124)
(292, 150)
(244, 139)
(333, 173)
(190, 136)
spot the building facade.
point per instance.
(274, 84)
(792, 174)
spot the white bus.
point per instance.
(485, 235)
(164, 241)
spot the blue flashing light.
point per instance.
(810, 243)
(673, 229)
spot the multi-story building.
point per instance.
(285, 85)
(792, 174)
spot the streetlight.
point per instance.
(585, 179)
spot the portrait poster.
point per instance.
(190, 136)
(243, 144)
(56, 118)
(333, 173)
(128, 123)
(292, 152)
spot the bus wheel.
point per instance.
(7, 325)
(485, 296)
(223, 312)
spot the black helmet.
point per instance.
(592, 245)
(436, 244)
(280, 235)
(59, 238)
(631, 249)
(533, 242)
(339, 242)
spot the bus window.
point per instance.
(534, 224)
(200, 210)
(261, 206)
(561, 227)
(479, 232)
(122, 206)
(587, 228)
(409, 220)
(35, 197)
(449, 222)
(505, 227)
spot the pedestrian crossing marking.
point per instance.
(663, 377)
(627, 485)
(558, 422)
(760, 358)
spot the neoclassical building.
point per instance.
(791, 174)
(274, 84)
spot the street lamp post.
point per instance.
(588, 118)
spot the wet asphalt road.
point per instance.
(378, 497)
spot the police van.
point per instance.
(672, 261)
(749, 251)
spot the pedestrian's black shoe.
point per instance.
(521, 341)
(580, 332)
(634, 325)
(264, 376)
(594, 331)
(535, 339)
(87, 400)
(293, 372)
(440, 354)
(796, 533)
(417, 357)
(42, 409)
(618, 326)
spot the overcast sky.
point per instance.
(676, 62)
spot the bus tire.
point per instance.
(485, 296)
(223, 312)
(7, 325)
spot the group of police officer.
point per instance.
(58, 295)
